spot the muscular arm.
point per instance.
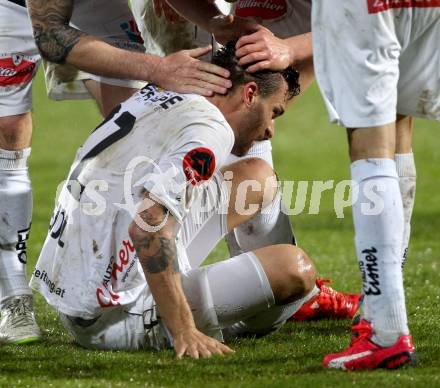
(58, 42)
(158, 256)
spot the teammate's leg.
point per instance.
(406, 170)
(379, 225)
(17, 321)
(19, 59)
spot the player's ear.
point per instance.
(250, 92)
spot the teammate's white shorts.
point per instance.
(111, 22)
(377, 58)
(19, 59)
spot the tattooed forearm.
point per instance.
(53, 35)
(156, 250)
(157, 254)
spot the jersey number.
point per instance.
(125, 123)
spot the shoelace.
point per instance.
(320, 283)
(19, 311)
(360, 332)
(335, 298)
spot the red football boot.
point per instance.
(328, 304)
(365, 354)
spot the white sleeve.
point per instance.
(178, 176)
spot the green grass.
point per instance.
(306, 147)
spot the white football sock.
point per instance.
(271, 226)
(406, 169)
(262, 150)
(379, 246)
(15, 221)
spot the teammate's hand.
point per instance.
(182, 72)
(264, 50)
(193, 343)
(161, 7)
(229, 27)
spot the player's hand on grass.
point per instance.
(182, 72)
(161, 8)
(229, 27)
(264, 50)
(193, 343)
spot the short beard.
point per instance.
(250, 122)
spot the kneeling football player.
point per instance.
(147, 198)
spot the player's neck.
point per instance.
(227, 107)
(225, 104)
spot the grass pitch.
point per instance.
(307, 148)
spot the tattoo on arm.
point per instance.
(157, 251)
(164, 255)
(53, 35)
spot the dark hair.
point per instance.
(268, 81)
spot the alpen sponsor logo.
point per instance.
(104, 294)
(15, 70)
(370, 272)
(264, 9)
(375, 6)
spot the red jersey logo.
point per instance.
(263, 9)
(104, 294)
(375, 6)
(15, 70)
(199, 165)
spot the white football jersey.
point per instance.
(284, 18)
(159, 141)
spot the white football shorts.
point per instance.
(19, 59)
(375, 59)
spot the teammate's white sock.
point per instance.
(15, 221)
(378, 221)
(406, 169)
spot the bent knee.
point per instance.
(250, 168)
(290, 271)
(257, 174)
(300, 271)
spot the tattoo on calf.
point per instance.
(53, 35)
